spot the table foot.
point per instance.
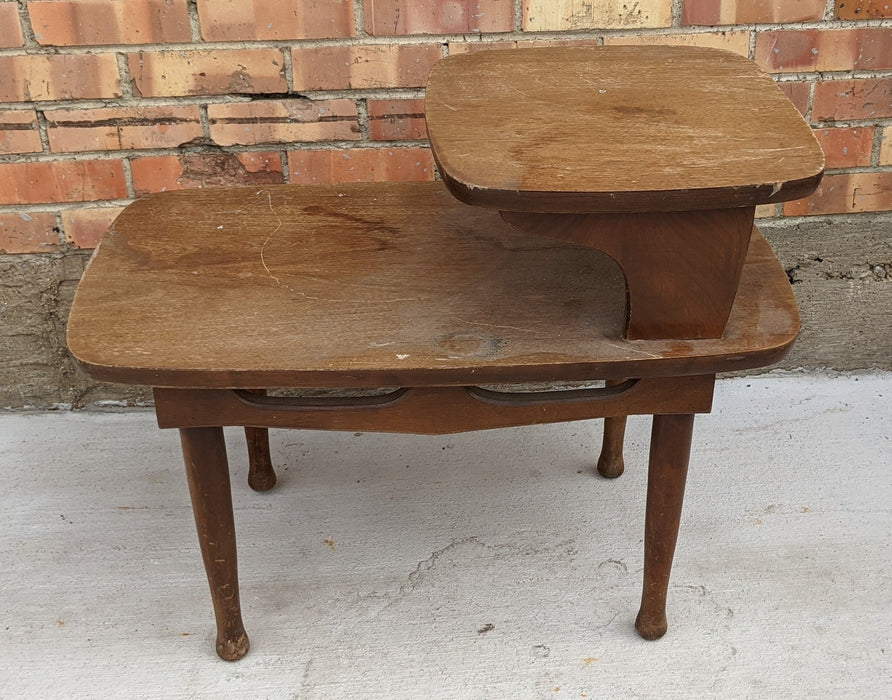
(233, 648)
(204, 454)
(651, 626)
(670, 450)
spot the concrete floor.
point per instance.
(483, 565)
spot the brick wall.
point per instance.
(103, 100)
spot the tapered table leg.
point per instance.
(204, 453)
(261, 475)
(610, 462)
(670, 450)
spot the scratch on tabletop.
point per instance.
(269, 198)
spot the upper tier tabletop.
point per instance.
(616, 129)
(385, 284)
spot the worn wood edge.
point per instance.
(627, 202)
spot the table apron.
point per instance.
(432, 410)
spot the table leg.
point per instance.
(261, 475)
(610, 463)
(204, 452)
(670, 450)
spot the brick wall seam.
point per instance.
(878, 145)
(518, 15)
(288, 67)
(517, 35)
(457, 38)
(27, 29)
(124, 78)
(205, 122)
(128, 178)
(362, 112)
(209, 146)
(811, 103)
(42, 131)
(359, 20)
(99, 103)
(194, 21)
(677, 9)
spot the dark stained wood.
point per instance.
(656, 156)
(261, 475)
(670, 448)
(204, 452)
(610, 462)
(681, 268)
(428, 410)
(426, 291)
(616, 129)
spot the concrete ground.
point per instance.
(483, 565)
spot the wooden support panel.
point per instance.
(431, 410)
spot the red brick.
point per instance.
(368, 66)
(886, 147)
(738, 42)
(846, 147)
(18, 132)
(712, 12)
(573, 15)
(863, 9)
(396, 120)
(844, 193)
(85, 227)
(58, 77)
(239, 20)
(798, 93)
(10, 28)
(190, 170)
(155, 174)
(262, 162)
(28, 233)
(283, 121)
(862, 98)
(99, 22)
(394, 17)
(836, 50)
(61, 181)
(115, 129)
(204, 72)
(361, 165)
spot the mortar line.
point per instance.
(194, 22)
(364, 39)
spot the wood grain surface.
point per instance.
(372, 285)
(617, 129)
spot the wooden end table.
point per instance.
(215, 297)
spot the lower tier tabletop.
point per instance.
(378, 284)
